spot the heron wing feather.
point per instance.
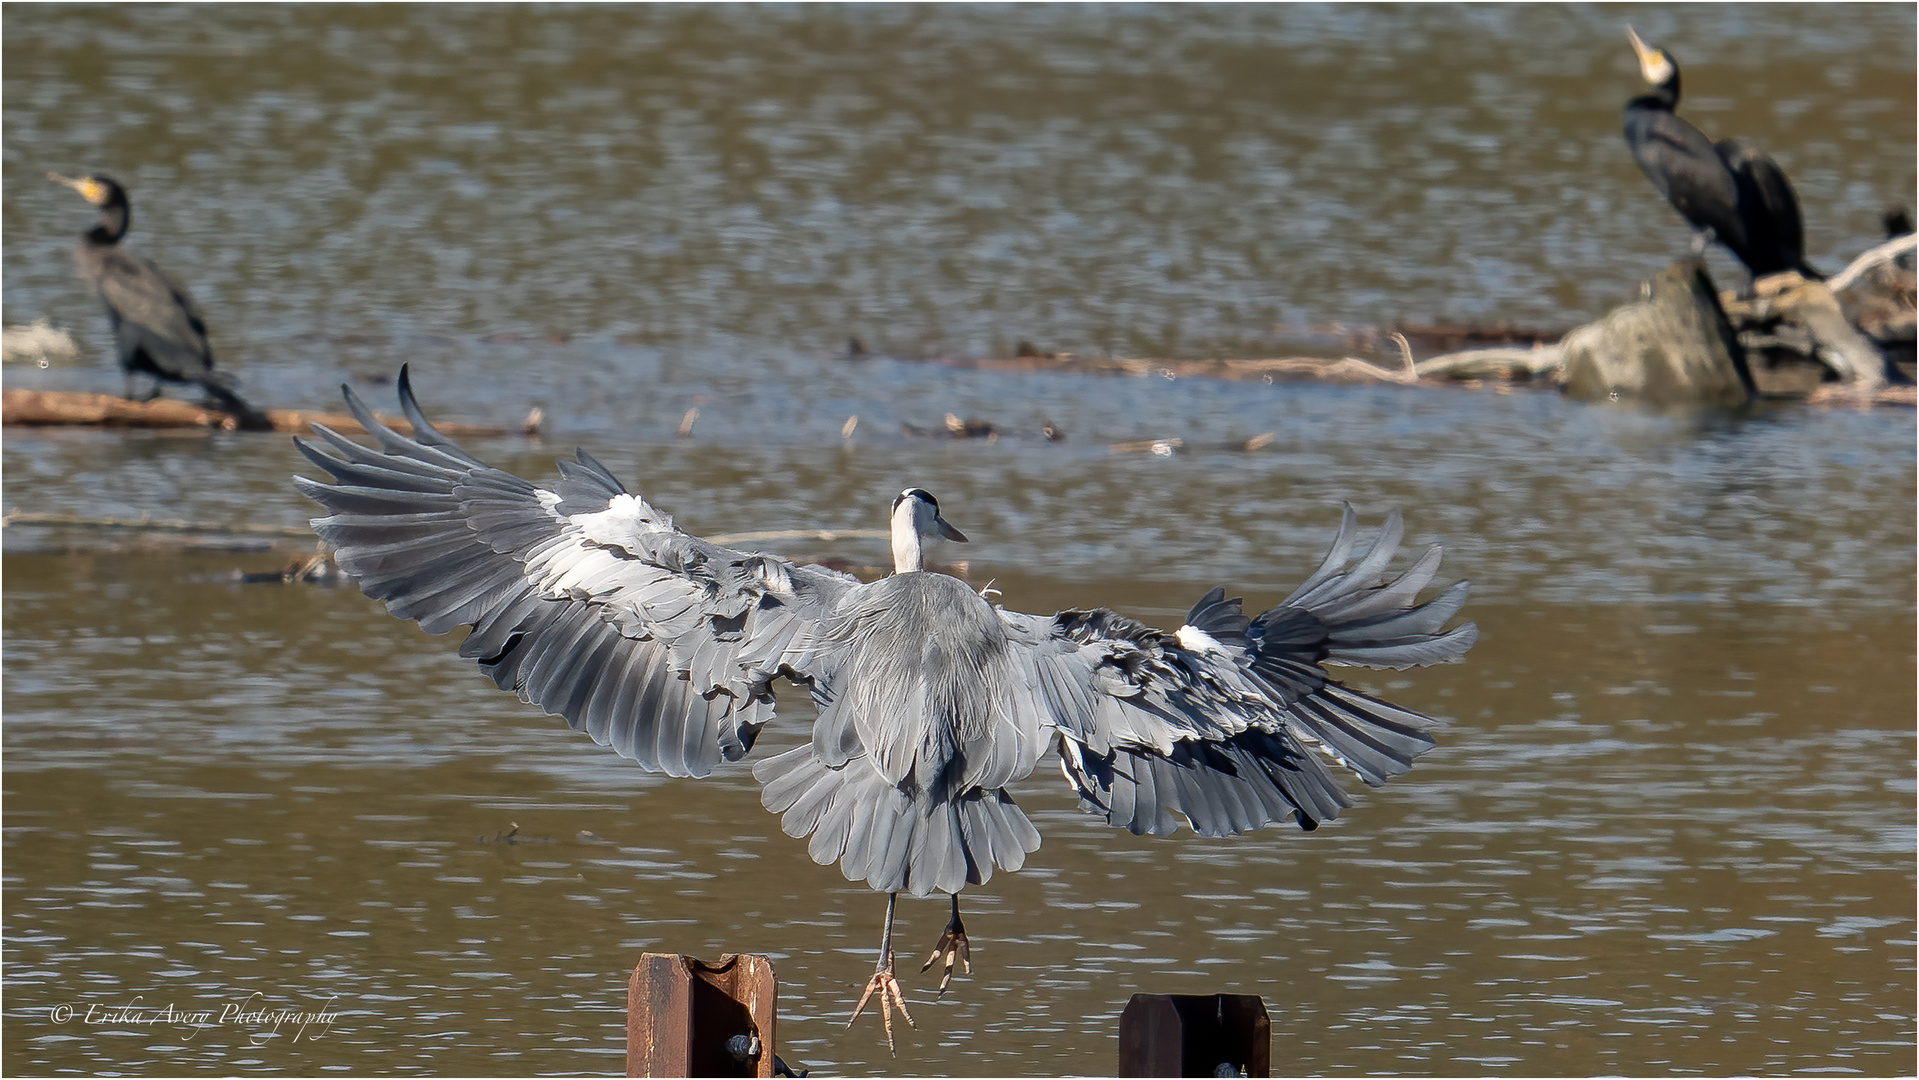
(581, 597)
(1214, 723)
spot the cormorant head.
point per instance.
(1656, 65)
(99, 190)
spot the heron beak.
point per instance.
(88, 190)
(950, 532)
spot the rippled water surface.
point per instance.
(1670, 827)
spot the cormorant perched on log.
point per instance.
(157, 328)
(1728, 190)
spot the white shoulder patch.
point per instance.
(624, 518)
(1193, 639)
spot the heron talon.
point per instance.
(953, 949)
(887, 987)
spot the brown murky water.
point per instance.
(1670, 827)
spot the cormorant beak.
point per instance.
(1653, 65)
(88, 190)
(950, 532)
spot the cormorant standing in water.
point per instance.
(1729, 190)
(157, 328)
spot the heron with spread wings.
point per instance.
(591, 604)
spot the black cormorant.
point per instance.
(157, 328)
(1728, 190)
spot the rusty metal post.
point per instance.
(686, 1017)
(1194, 1035)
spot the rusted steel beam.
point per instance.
(686, 1017)
(1195, 1035)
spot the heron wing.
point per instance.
(143, 297)
(1214, 721)
(582, 598)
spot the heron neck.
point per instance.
(908, 546)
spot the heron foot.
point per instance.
(887, 988)
(952, 949)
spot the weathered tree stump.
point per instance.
(1673, 348)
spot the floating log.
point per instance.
(61, 407)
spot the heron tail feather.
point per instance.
(881, 834)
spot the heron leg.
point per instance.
(883, 983)
(953, 948)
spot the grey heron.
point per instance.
(157, 328)
(1728, 190)
(593, 605)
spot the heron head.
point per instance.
(917, 508)
(96, 189)
(1655, 65)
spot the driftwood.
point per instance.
(58, 407)
(143, 523)
(1510, 364)
(1344, 370)
(1869, 327)
(1885, 252)
(1810, 306)
(1879, 294)
(1514, 364)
